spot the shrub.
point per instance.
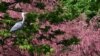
(74, 8)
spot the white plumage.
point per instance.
(19, 24)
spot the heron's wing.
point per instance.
(16, 26)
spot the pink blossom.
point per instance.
(14, 14)
(8, 1)
(2, 14)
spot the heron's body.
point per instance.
(17, 26)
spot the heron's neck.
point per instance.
(23, 18)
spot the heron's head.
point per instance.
(23, 14)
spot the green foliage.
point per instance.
(7, 21)
(73, 8)
(70, 9)
(55, 16)
(3, 7)
(27, 46)
(40, 5)
(43, 49)
(73, 40)
(31, 17)
(1, 42)
(47, 28)
(5, 33)
(31, 23)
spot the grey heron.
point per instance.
(19, 24)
